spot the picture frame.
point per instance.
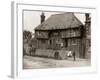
(17, 41)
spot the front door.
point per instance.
(56, 43)
(54, 40)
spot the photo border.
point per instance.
(17, 43)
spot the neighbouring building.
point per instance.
(62, 32)
(88, 35)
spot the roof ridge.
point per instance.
(63, 13)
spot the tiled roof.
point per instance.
(60, 21)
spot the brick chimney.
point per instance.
(87, 16)
(42, 17)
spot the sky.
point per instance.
(32, 18)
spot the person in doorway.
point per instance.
(56, 54)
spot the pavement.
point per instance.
(30, 62)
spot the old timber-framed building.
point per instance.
(61, 32)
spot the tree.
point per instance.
(27, 35)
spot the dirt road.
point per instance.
(40, 62)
